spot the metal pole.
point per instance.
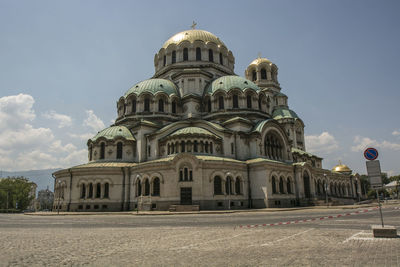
(380, 209)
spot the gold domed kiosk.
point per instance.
(342, 168)
(195, 135)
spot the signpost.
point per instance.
(374, 173)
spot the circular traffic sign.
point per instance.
(371, 153)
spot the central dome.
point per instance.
(193, 35)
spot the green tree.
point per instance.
(15, 190)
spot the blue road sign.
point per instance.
(371, 153)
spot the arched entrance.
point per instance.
(307, 189)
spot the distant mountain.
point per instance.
(42, 178)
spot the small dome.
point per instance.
(189, 131)
(193, 35)
(153, 86)
(260, 60)
(284, 113)
(113, 132)
(341, 168)
(227, 83)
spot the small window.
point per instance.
(273, 185)
(96, 207)
(183, 146)
(198, 54)
(232, 148)
(186, 174)
(138, 188)
(221, 102)
(180, 175)
(149, 150)
(156, 186)
(209, 105)
(102, 150)
(237, 186)
(83, 191)
(221, 60)
(185, 54)
(254, 75)
(235, 101)
(195, 146)
(88, 207)
(190, 175)
(165, 60)
(210, 55)
(80, 207)
(248, 101)
(263, 74)
(90, 152)
(98, 190)
(90, 190)
(106, 190)
(134, 106)
(119, 150)
(146, 188)
(173, 59)
(217, 185)
(161, 105)
(174, 107)
(104, 207)
(146, 104)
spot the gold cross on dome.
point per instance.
(193, 25)
(259, 54)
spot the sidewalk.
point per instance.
(147, 213)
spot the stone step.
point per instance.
(184, 208)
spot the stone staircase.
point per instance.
(179, 208)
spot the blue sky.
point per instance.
(64, 64)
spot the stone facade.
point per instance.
(198, 134)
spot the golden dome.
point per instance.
(260, 60)
(341, 168)
(193, 35)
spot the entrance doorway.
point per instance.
(186, 196)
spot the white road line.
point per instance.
(278, 240)
(210, 241)
(352, 237)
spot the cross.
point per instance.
(259, 54)
(193, 25)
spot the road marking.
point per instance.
(206, 242)
(278, 240)
(366, 237)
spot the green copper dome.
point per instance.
(193, 131)
(227, 83)
(153, 86)
(284, 113)
(114, 132)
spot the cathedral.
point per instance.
(196, 136)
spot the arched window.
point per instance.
(161, 105)
(228, 185)
(173, 59)
(288, 186)
(106, 190)
(146, 104)
(146, 187)
(119, 150)
(248, 98)
(83, 191)
(90, 190)
(102, 150)
(281, 186)
(273, 185)
(273, 146)
(221, 59)
(90, 152)
(182, 146)
(237, 186)
(174, 107)
(180, 175)
(185, 54)
(165, 60)
(198, 53)
(210, 55)
(307, 188)
(254, 75)
(260, 99)
(134, 106)
(156, 186)
(263, 74)
(235, 101)
(221, 102)
(195, 146)
(217, 185)
(138, 188)
(211, 147)
(98, 190)
(206, 147)
(186, 173)
(209, 105)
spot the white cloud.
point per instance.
(84, 136)
(93, 121)
(324, 142)
(23, 146)
(361, 143)
(63, 120)
(396, 132)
